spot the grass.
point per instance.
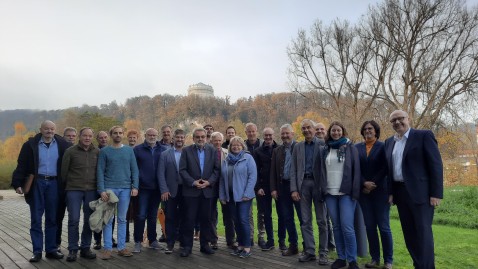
(455, 231)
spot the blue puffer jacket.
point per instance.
(244, 179)
(147, 160)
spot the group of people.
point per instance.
(342, 181)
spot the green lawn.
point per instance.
(455, 247)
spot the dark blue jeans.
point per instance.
(74, 202)
(265, 202)
(45, 200)
(286, 206)
(376, 213)
(241, 222)
(148, 201)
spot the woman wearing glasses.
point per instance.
(374, 196)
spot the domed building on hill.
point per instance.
(201, 90)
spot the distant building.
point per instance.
(201, 90)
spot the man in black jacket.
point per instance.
(41, 158)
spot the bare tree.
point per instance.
(416, 55)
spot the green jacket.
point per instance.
(103, 212)
(78, 168)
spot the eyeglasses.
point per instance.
(400, 119)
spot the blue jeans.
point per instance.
(240, 216)
(122, 207)
(342, 209)
(376, 213)
(148, 201)
(74, 201)
(286, 206)
(45, 200)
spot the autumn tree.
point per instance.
(416, 55)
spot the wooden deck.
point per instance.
(15, 249)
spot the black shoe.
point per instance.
(162, 239)
(353, 265)
(268, 246)
(115, 245)
(292, 250)
(36, 257)
(206, 250)
(87, 254)
(214, 246)
(169, 249)
(282, 246)
(323, 259)
(307, 257)
(72, 256)
(185, 252)
(97, 245)
(339, 263)
(261, 244)
(54, 255)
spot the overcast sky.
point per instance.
(60, 54)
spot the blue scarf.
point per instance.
(233, 158)
(339, 144)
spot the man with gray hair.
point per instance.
(199, 170)
(305, 185)
(147, 157)
(40, 161)
(280, 188)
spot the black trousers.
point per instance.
(416, 220)
(196, 207)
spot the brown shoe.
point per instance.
(372, 264)
(125, 253)
(105, 255)
(292, 250)
(387, 266)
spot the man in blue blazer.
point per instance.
(199, 170)
(171, 187)
(415, 172)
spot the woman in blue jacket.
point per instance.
(236, 191)
(343, 190)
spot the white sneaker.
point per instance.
(137, 248)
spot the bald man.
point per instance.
(41, 157)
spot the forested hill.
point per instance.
(270, 110)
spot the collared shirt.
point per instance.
(47, 164)
(309, 156)
(177, 156)
(287, 161)
(201, 157)
(397, 155)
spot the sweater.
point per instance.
(117, 168)
(147, 159)
(244, 177)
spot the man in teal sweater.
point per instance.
(117, 171)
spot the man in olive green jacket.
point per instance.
(78, 172)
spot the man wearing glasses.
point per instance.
(199, 170)
(415, 172)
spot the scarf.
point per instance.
(339, 144)
(233, 158)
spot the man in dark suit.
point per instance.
(199, 170)
(171, 187)
(416, 185)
